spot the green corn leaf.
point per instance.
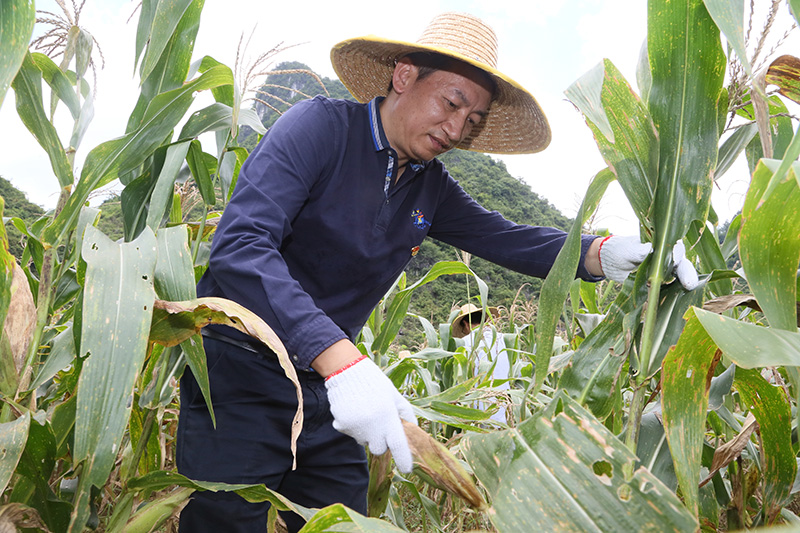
(59, 83)
(62, 354)
(215, 117)
(17, 18)
(118, 156)
(688, 67)
(562, 470)
(13, 436)
(248, 117)
(594, 374)
(624, 133)
(28, 88)
(160, 480)
(117, 310)
(703, 241)
(396, 311)
(769, 243)
(174, 280)
(167, 15)
(749, 345)
(82, 124)
(161, 198)
(653, 450)
(199, 165)
(686, 376)
(83, 51)
(133, 201)
(172, 68)
(795, 7)
(224, 94)
(729, 17)
(773, 411)
(556, 286)
(336, 517)
(146, 13)
(733, 147)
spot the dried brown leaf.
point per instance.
(732, 449)
(21, 318)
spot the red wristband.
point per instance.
(600, 248)
(345, 367)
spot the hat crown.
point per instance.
(465, 35)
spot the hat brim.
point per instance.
(457, 326)
(515, 123)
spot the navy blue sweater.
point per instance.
(318, 229)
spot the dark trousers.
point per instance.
(254, 403)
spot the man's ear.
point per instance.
(404, 75)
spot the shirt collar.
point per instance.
(379, 136)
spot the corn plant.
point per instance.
(660, 411)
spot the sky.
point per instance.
(544, 45)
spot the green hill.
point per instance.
(17, 205)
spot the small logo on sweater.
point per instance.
(419, 219)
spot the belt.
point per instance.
(254, 347)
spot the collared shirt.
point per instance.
(318, 228)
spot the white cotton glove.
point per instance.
(619, 256)
(366, 406)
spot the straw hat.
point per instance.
(458, 328)
(515, 123)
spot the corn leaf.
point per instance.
(215, 117)
(703, 241)
(176, 322)
(685, 380)
(733, 146)
(17, 18)
(785, 73)
(773, 411)
(28, 88)
(118, 156)
(769, 243)
(557, 284)
(795, 7)
(729, 17)
(688, 66)
(594, 373)
(562, 470)
(174, 280)
(117, 309)
(58, 82)
(13, 436)
(167, 15)
(172, 68)
(624, 133)
(396, 311)
(337, 517)
(749, 345)
(160, 480)
(199, 166)
(161, 197)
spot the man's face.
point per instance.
(438, 112)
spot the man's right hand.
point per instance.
(366, 406)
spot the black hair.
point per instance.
(429, 62)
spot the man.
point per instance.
(327, 212)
